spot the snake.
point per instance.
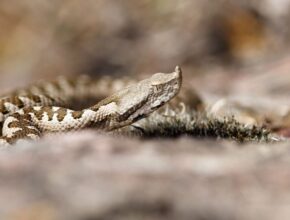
(28, 113)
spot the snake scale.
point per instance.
(28, 113)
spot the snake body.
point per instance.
(30, 112)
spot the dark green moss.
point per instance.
(198, 126)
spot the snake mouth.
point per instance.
(158, 106)
(139, 117)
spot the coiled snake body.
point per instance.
(28, 113)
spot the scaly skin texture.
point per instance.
(27, 115)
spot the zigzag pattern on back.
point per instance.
(27, 113)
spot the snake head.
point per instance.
(150, 94)
(164, 87)
(139, 100)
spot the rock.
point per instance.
(96, 176)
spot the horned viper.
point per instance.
(28, 113)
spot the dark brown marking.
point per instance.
(51, 99)
(77, 114)
(38, 114)
(3, 109)
(17, 101)
(61, 113)
(28, 109)
(16, 115)
(15, 124)
(35, 98)
(24, 117)
(22, 134)
(49, 112)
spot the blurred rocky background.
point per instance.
(44, 39)
(234, 54)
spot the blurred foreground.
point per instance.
(87, 176)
